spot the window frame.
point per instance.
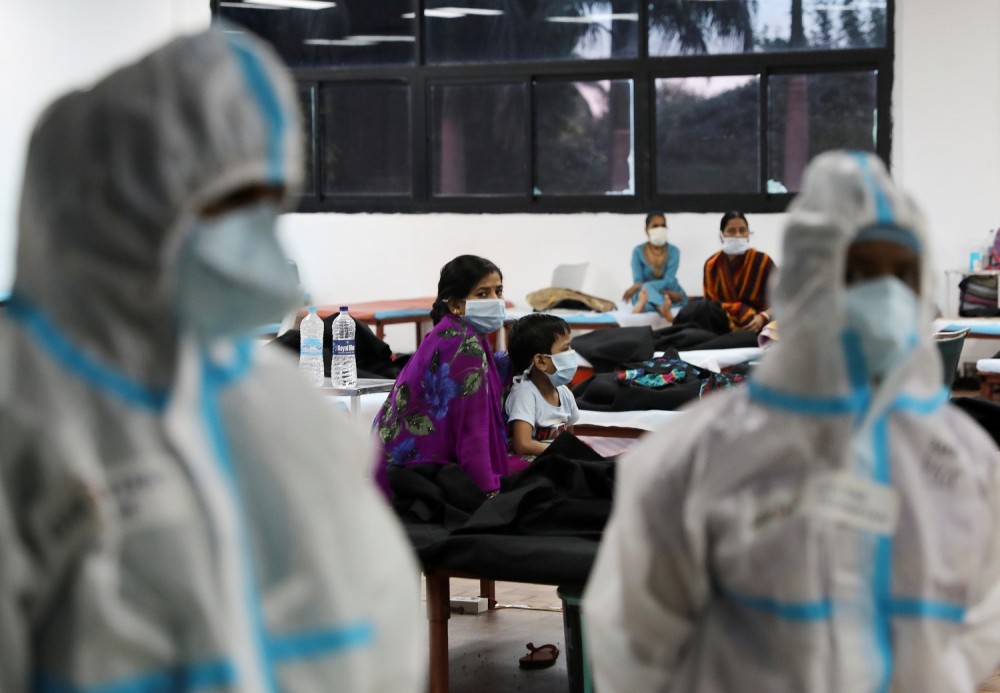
(642, 70)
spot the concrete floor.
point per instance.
(484, 648)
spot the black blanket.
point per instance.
(603, 392)
(543, 526)
(610, 348)
(664, 383)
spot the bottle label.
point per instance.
(343, 347)
(311, 346)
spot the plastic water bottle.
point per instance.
(343, 367)
(311, 347)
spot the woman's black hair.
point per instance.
(653, 215)
(458, 278)
(729, 216)
(535, 333)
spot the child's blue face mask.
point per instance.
(566, 363)
(486, 315)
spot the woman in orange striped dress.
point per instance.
(737, 276)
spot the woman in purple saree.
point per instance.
(446, 404)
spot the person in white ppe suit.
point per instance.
(178, 511)
(831, 527)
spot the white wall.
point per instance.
(396, 256)
(51, 46)
(946, 112)
(946, 149)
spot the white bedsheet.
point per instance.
(643, 419)
(720, 358)
(710, 359)
(988, 365)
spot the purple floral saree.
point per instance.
(446, 407)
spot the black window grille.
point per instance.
(576, 105)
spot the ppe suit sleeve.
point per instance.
(976, 652)
(649, 584)
(393, 590)
(15, 633)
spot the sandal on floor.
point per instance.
(539, 657)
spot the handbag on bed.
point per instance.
(978, 296)
(555, 297)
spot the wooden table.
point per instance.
(387, 312)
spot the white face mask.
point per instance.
(232, 275)
(883, 312)
(731, 245)
(485, 314)
(658, 235)
(565, 363)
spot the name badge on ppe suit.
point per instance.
(144, 496)
(851, 501)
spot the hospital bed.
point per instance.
(979, 328)
(609, 433)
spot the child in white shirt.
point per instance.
(540, 406)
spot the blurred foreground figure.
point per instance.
(832, 527)
(178, 511)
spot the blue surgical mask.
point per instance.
(485, 314)
(883, 313)
(232, 275)
(731, 245)
(565, 363)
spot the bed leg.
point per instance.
(488, 589)
(438, 613)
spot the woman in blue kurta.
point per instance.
(446, 404)
(654, 272)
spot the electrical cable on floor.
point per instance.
(528, 607)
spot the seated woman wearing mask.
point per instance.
(654, 272)
(446, 404)
(737, 276)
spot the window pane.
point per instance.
(366, 139)
(500, 30)
(345, 32)
(743, 26)
(306, 96)
(479, 142)
(809, 114)
(584, 138)
(707, 134)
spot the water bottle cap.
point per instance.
(312, 309)
(343, 309)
